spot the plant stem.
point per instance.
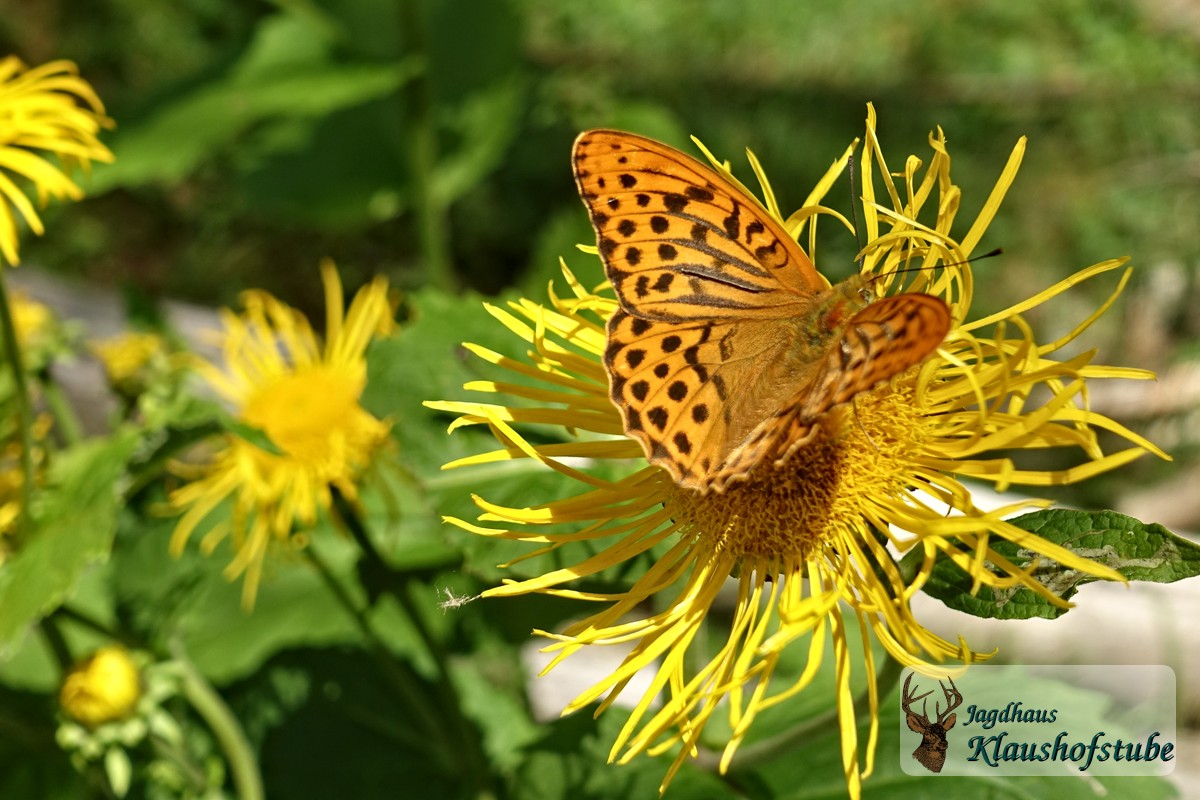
(57, 643)
(65, 417)
(24, 407)
(421, 139)
(65, 612)
(224, 725)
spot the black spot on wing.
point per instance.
(733, 223)
(674, 202)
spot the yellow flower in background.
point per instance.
(11, 480)
(44, 111)
(808, 543)
(12, 477)
(31, 319)
(125, 354)
(134, 361)
(104, 687)
(304, 397)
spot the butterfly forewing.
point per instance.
(678, 241)
(728, 347)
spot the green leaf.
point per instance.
(75, 520)
(491, 693)
(287, 73)
(486, 124)
(1139, 551)
(426, 361)
(330, 725)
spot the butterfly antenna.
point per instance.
(971, 260)
(861, 427)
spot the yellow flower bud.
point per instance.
(101, 688)
(124, 356)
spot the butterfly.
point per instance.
(728, 346)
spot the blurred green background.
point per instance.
(429, 140)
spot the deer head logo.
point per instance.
(932, 751)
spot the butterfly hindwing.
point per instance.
(681, 242)
(882, 340)
(879, 342)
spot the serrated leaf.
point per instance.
(75, 520)
(1138, 551)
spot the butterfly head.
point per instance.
(857, 291)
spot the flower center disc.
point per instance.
(853, 463)
(300, 410)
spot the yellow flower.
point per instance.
(305, 399)
(125, 355)
(12, 477)
(45, 110)
(102, 688)
(807, 543)
(31, 320)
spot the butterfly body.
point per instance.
(728, 347)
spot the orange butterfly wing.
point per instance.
(679, 241)
(716, 302)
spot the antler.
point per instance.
(954, 699)
(910, 698)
